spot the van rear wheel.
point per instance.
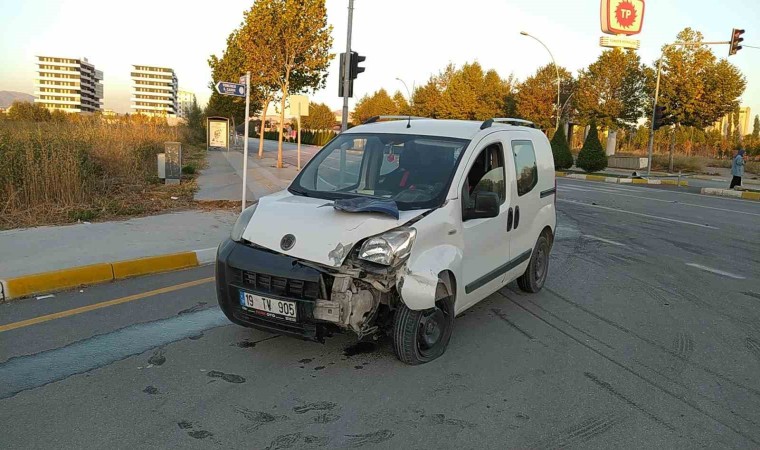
(535, 275)
(422, 336)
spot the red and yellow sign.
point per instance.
(622, 16)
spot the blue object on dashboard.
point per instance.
(362, 204)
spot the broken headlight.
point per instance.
(389, 249)
(242, 222)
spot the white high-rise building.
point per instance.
(154, 91)
(185, 99)
(68, 84)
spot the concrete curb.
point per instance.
(616, 180)
(57, 280)
(731, 193)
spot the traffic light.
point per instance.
(659, 117)
(736, 39)
(353, 71)
(342, 78)
(355, 60)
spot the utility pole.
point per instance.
(347, 68)
(245, 138)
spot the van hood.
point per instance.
(322, 234)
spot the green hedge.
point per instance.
(319, 138)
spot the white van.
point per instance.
(394, 228)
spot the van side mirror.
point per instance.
(486, 204)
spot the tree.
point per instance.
(537, 96)
(426, 100)
(612, 90)
(288, 43)
(563, 159)
(756, 127)
(28, 111)
(195, 122)
(320, 117)
(696, 88)
(227, 68)
(402, 105)
(379, 104)
(592, 157)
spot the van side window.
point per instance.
(486, 175)
(526, 169)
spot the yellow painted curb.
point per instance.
(640, 181)
(153, 264)
(60, 279)
(751, 195)
(596, 177)
(39, 283)
(675, 182)
(560, 174)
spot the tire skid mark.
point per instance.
(701, 395)
(588, 335)
(648, 380)
(584, 432)
(653, 343)
(753, 346)
(360, 440)
(498, 313)
(683, 345)
(609, 388)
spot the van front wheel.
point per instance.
(535, 275)
(422, 336)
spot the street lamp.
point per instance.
(556, 68)
(407, 89)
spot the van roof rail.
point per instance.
(507, 120)
(379, 118)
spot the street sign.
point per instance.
(234, 89)
(619, 42)
(622, 16)
(299, 106)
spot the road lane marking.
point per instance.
(674, 202)
(645, 189)
(597, 238)
(666, 219)
(118, 301)
(716, 271)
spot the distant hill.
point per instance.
(8, 97)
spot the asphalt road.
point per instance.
(647, 335)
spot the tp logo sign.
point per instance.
(622, 16)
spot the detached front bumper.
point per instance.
(239, 266)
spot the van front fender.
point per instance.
(417, 282)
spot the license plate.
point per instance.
(269, 307)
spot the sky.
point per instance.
(407, 39)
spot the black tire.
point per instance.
(422, 336)
(535, 275)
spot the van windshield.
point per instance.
(414, 171)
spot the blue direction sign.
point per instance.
(226, 88)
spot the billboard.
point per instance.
(624, 17)
(218, 132)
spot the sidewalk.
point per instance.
(223, 179)
(43, 249)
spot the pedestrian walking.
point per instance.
(737, 168)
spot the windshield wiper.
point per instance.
(299, 192)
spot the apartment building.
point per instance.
(68, 84)
(185, 100)
(154, 91)
(726, 124)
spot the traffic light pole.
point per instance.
(650, 146)
(347, 68)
